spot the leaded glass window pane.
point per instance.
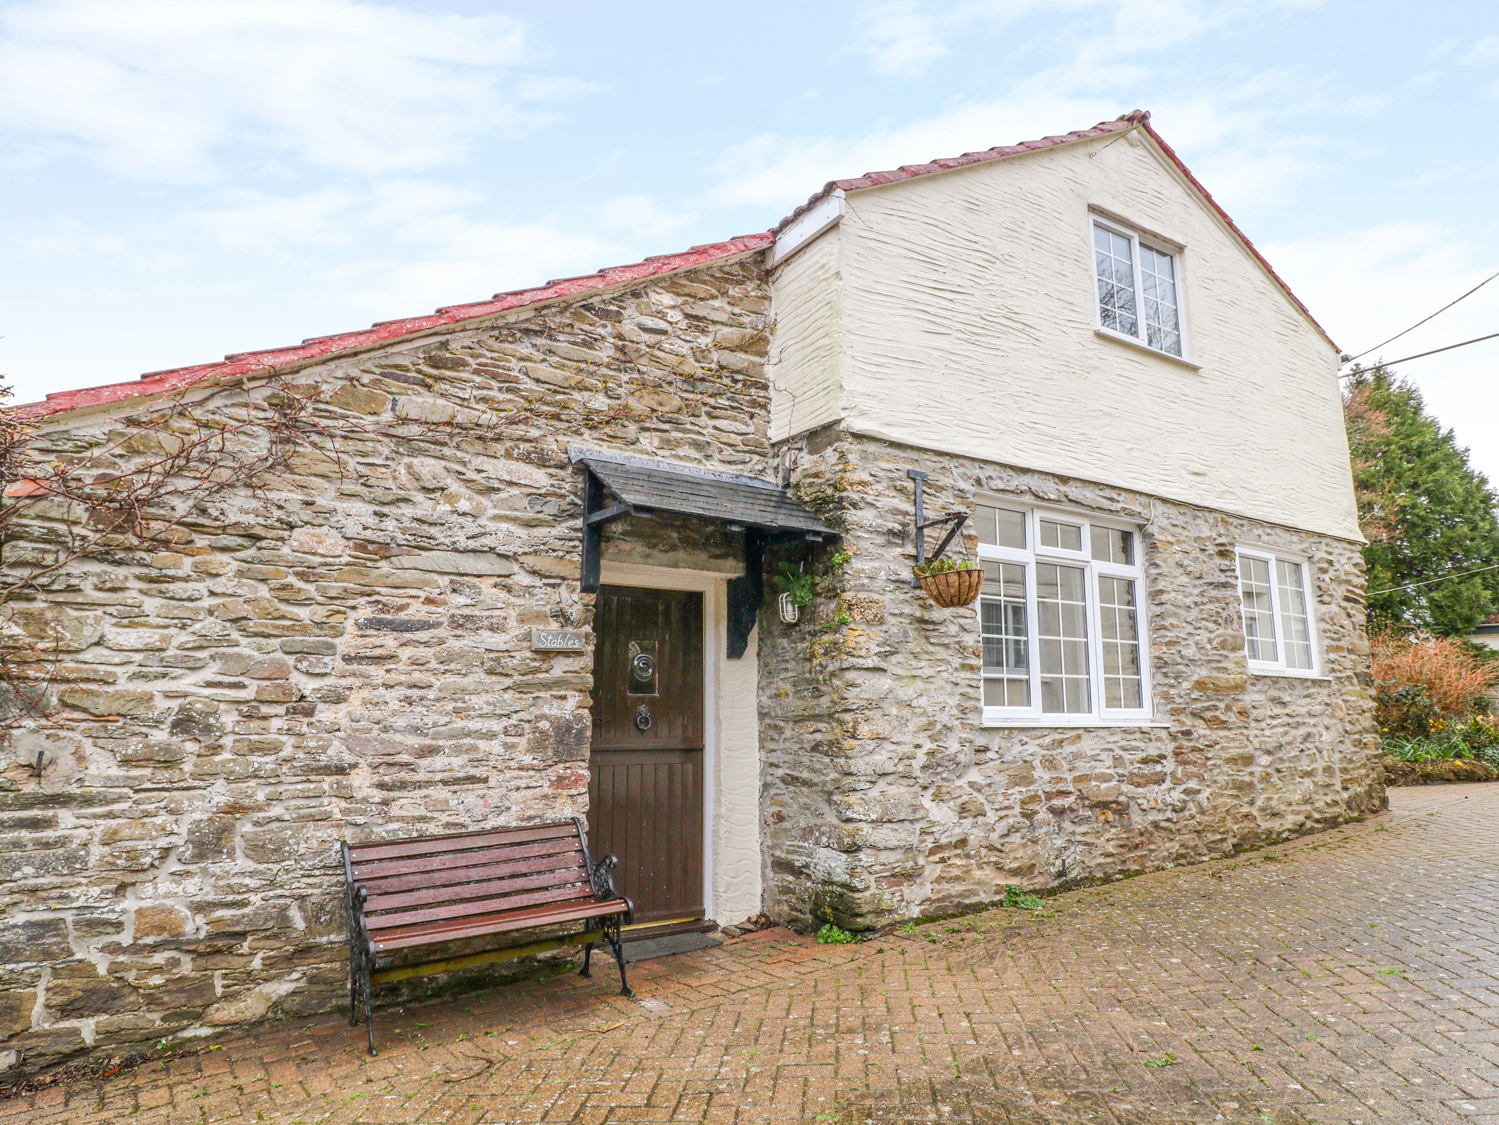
(1295, 627)
(1000, 527)
(1259, 616)
(1158, 279)
(1112, 546)
(1062, 631)
(1002, 620)
(1063, 536)
(1119, 636)
(1114, 268)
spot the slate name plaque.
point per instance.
(556, 640)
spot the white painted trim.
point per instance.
(714, 588)
(821, 217)
(1172, 249)
(1278, 667)
(1035, 553)
(1085, 724)
(1120, 338)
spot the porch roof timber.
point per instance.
(647, 485)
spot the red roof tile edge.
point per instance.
(1144, 121)
(323, 347)
(1139, 118)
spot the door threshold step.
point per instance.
(643, 931)
(651, 948)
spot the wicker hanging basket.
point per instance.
(953, 587)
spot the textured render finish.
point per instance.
(806, 349)
(968, 325)
(347, 658)
(884, 798)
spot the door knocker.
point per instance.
(643, 717)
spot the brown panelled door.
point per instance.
(645, 793)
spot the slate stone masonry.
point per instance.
(883, 796)
(350, 657)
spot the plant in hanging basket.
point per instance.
(797, 587)
(950, 582)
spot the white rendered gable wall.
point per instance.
(807, 344)
(966, 301)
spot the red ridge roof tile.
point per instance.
(322, 347)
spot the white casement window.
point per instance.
(1279, 627)
(1139, 288)
(1061, 614)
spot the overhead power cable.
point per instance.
(1433, 581)
(1421, 355)
(1418, 323)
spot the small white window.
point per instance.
(1061, 618)
(1138, 289)
(1275, 597)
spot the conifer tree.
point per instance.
(1424, 510)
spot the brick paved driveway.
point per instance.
(1350, 977)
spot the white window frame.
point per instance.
(1278, 667)
(1174, 253)
(1034, 553)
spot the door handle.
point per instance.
(642, 717)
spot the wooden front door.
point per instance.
(645, 792)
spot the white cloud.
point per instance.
(640, 218)
(160, 89)
(772, 170)
(905, 38)
(278, 226)
(1483, 53)
(901, 39)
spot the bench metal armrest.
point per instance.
(358, 932)
(601, 875)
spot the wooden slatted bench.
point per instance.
(429, 890)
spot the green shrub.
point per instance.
(943, 565)
(1022, 900)
(800, 584)
(1476, 740)
(832, 935)
(1427, 686)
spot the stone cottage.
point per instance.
(515, 561)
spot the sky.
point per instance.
(182, 179)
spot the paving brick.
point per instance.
(1258, 984)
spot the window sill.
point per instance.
(1138, 345)
(1069, 724)
(1290, 674)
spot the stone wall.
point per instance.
(884, 798)
(344, 656)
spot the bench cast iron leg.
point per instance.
(612, 937)
(369, 1013)
(354, 978)
(587, 957)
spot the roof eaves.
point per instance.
(947, 164)
(270, 360)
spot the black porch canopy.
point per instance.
(641, 485)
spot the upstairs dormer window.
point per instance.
(1139, 291)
